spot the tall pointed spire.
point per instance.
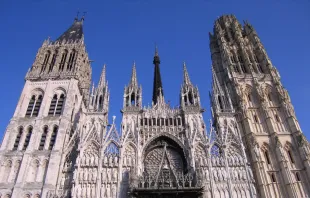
(157, 86)
(134, 80)
(73, 33)
(186, 78)
(102, 80)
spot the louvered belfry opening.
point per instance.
(56, 106)
(43, 138)
(53, 105)
(53, 138)
(27, 138)
(18, 137)
(30, 106)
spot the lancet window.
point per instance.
(18, 137)
(43, 138)
(34, 106)
(290, 156)
(27, 138)
(71, 60)
(45, 61)
(57, 104)
(53, 61)
(63, 60)
(273, 178)
(53, 138)
(297, 176)
(267, 157)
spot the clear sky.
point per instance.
(117, 32)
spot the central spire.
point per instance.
(157, 87)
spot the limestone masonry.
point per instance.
(59, 143)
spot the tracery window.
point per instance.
(17, 139)
(43, 138)
(34, 106)
(63, 60)
(27, 138)
(53, 138)
(56, 106)
(45, 62)
(71, 60)
(53, 61)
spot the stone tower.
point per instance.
(56, 89)
(247, 90)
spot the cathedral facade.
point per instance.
(59, 143)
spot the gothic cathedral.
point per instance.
(59, 143)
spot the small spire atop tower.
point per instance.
(134, 80)
(156, 56)
(102, 80)
(157, 86)
(186, 79)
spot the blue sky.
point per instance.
(117, 32)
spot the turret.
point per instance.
(132, 92)
(189, 93)
(99, 98)
(64, 58)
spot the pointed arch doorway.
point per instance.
(165, 172)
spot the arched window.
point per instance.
(27, 138)
(249, 98)
(53, 138)
(17, 139)
(255, 58)
(34, 106)
(56, 106)
(267, 157)
(45, 62)
(71, 60)
(269, 97)
(179, 121)
(63, 60)
(43, 138)
(290, 156)
(220, 102)
(60, 104)
(190, 98)
(273, 178)
(100, 103)
(277, 118)
(260, 68)
(53, 61)
(53, 105)
(297, 176)
(256, 119)
(243, 68)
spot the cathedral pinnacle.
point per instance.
(133, 80)
(186, 79)
(102, 80)
(157, 86)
